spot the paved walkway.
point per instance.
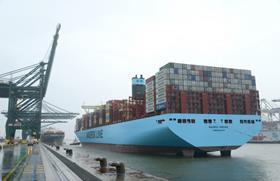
(34, 169)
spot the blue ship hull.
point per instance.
(175, 133)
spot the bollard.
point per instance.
(103, 164)
(68, 151)
(120, 169)
(57, 147)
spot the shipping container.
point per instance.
(203, 89)
(150, 95)
(181, 88)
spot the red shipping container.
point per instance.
(200, 73)
(152, 78)
(205, 104)
(247, 104)
(228, 104)
(183, 101)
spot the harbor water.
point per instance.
(250, 162)
(259, 162)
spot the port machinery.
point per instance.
(270, 111)
(25, 88)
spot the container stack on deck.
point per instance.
(150, 95)
(183, 88)
(115, 111)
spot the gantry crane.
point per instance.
(270, 111)
(26, 93)
(50, 115)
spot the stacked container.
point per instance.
(204, 89)
(114, 111)
(131, 109)
(78, 125)
(85, 121)
(108, 112)
(181, 88)
(150, 95)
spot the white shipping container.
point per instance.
(201, 89)
(226, 90)
(160, 101)
(245, 91)
(180, 71)
(150, 104)
(150, 109)
(178, 65)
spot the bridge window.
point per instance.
(170, 119)
(179, 120)
(226, 121)
(184, 121)
(210, 121)
(188, 120)
(230, 121)
(205, 121)
(241, 121)
(193, 120)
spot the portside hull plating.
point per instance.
(152, 134)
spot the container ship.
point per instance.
(52, 136)
(182, 109)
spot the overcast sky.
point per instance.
(104, 43)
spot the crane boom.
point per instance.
(51, 58)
